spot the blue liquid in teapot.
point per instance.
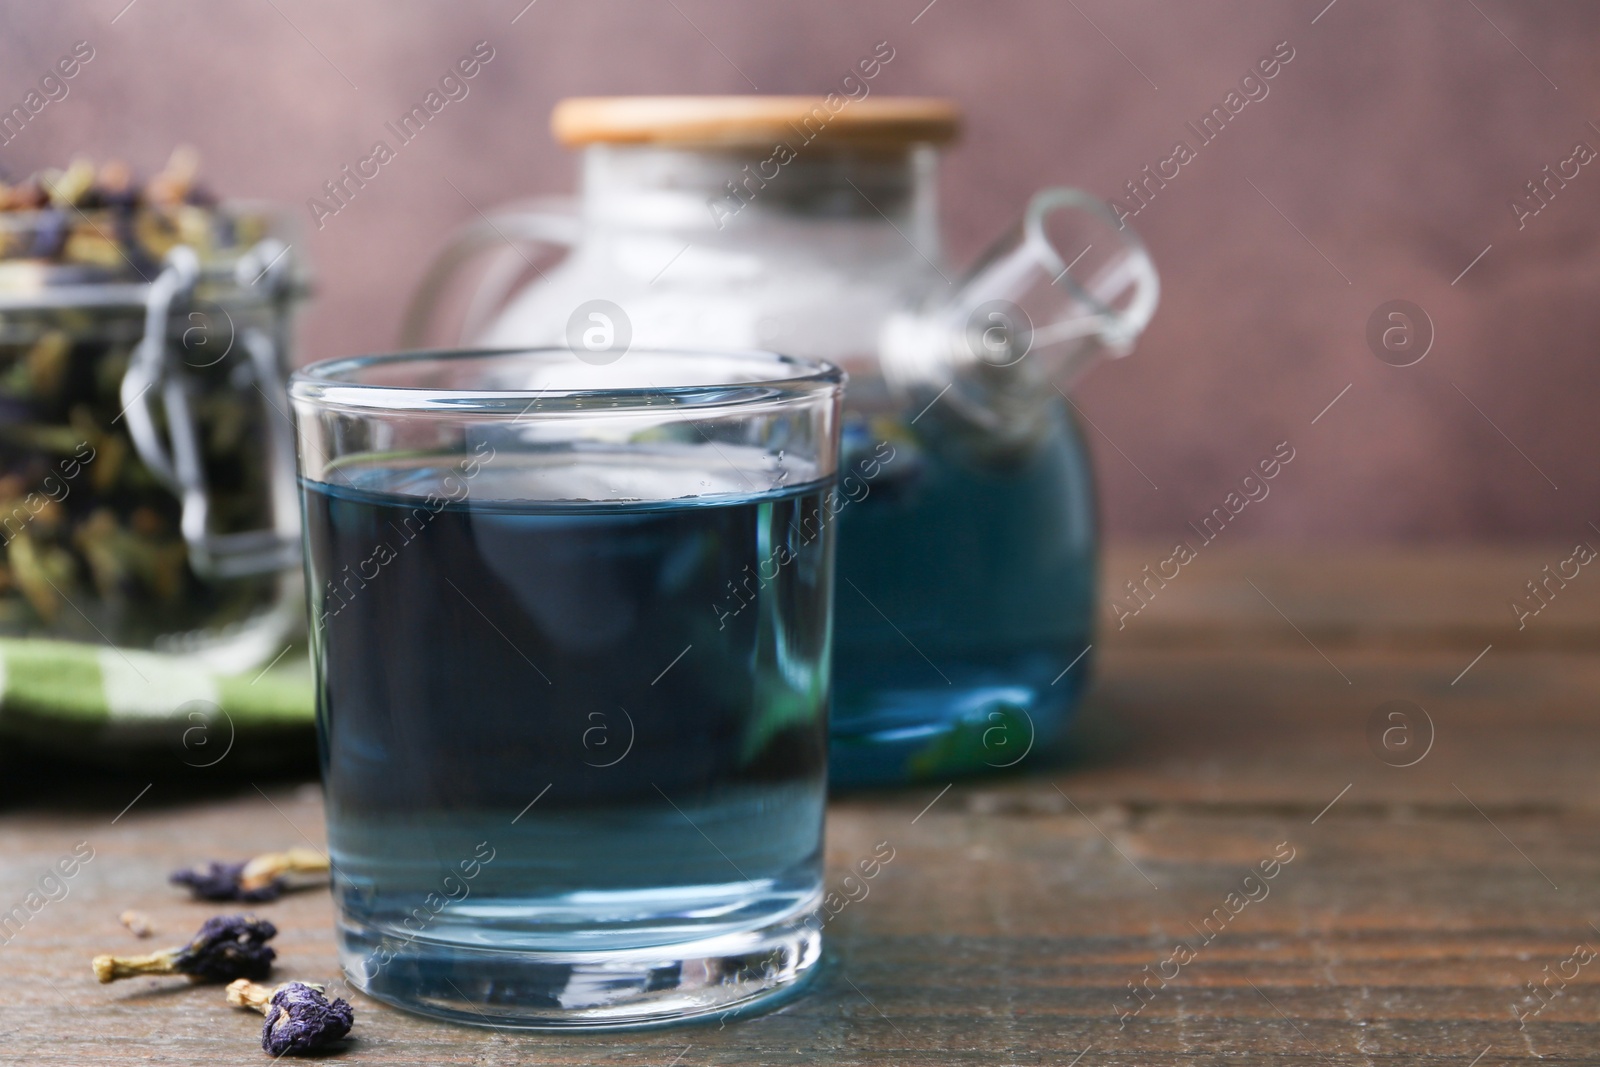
(964, 600)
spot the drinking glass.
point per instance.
(571, 626)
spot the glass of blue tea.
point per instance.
(571, 624)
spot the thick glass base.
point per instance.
(732, 974)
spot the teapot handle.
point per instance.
(551, 222)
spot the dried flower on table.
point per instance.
(263, 878)
(300, 1018)
(227, 947)
(138, 922)
(219, 881)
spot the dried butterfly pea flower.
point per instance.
(263, 878)
(114, 184)
(300, 1018)
(70, 187)
(227, 947)
(50, 235)
(218, 881)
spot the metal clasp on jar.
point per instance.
(176, 455)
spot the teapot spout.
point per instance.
(1064, 288)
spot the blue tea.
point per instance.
(966, 589)
(559, 727)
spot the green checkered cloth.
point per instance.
(97, 702)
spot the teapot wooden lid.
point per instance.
(754, 121)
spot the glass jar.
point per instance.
(967, 540)
(147, 494)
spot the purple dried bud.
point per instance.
(301, 1020)
(51, 235)
(228, 947)
(220, 881)
(265, 877)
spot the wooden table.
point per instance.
(1229, 726)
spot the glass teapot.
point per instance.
(967, 532)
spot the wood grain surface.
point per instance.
(1222, 731)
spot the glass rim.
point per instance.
(334, 383)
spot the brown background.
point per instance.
(1394, 141)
